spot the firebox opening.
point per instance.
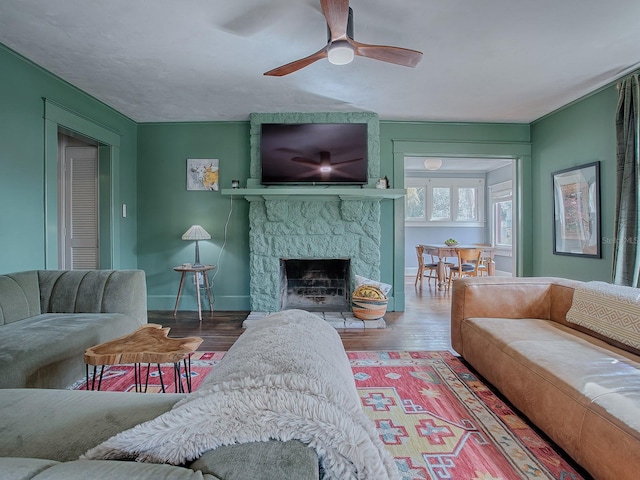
(315, 285)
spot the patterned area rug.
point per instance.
(441, 422)
(437, 419)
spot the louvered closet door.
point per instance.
(81, 208)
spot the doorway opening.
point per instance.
(468, 199)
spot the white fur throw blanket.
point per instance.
(287, 377)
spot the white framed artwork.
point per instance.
(202, 174)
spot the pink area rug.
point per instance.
(438, 420)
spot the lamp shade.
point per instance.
(196, 232)
(432, 163)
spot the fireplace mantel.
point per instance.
(315, 193)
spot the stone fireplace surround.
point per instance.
(281, 229)
(312, 222)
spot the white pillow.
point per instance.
(385, 287)
(610, 310)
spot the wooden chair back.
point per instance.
(468, 263)
(422, 267)
(484, 262)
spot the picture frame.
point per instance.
(203, 174)
(576, 211)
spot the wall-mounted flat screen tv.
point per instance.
(313, 153)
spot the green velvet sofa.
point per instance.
(44, 432)
(48, 318)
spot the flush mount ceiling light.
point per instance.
(340, 53)
(432, 163)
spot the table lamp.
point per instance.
(196, 232)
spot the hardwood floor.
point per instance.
(424, 325)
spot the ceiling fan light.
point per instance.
(340, 53)
(432, 163)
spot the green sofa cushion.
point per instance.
(47, 350)
(261, 460)
(63, 424)
(94, 291)
(118, 470)
(23, 468)
(19, 296)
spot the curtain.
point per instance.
(626, 248)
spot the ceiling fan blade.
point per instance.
(337, 14)
(397, 55)
(353, 160)
(297, 64)
(306, 161)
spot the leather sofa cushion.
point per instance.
(593, 373)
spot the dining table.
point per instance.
(444, 251)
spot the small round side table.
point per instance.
(195, 269)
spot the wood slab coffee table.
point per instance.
(148, 344)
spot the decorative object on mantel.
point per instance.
(451, 242)
(432, 163)
(368, 302)
(196, 232)
(235, 184)
(202, 174)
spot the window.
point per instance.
(440, 204)
(442, 201)
(501, 196)
(415, 203)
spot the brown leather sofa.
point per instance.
(581, 388)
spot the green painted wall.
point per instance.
(22, 184)
(581, 133)
(152, 182)
(167, 210)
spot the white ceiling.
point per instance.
(203, 60)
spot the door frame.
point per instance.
(59, 118)
(519, 152)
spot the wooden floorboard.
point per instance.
(424, 325)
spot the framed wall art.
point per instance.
(576, 211)
(202, 174)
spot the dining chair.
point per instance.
(484, 262)
(468, 264)
(432, 267)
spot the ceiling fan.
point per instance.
(341, 47)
